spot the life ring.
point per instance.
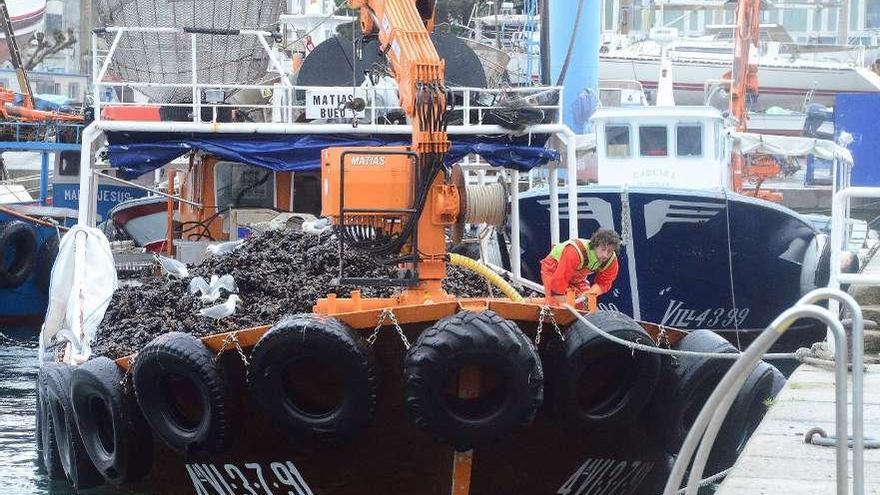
(78, 468)
(686, 382)
(113, 431)
(45, 260)
(743, 418)
(46, 443)
(511, 379)
(16, 269)
(183, 395)
(316, 377)
(594, 382)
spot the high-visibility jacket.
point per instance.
(570, 262)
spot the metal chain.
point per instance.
(233, 339)
(126, 378)
(546, 311)
(389, 314)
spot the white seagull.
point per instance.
(220, 311)
(224, 247)
(210, 291)
(172, 267)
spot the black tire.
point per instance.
(51, 462)
(482, 339)
(78, 468)
(778, 382)
(183, 396)
(113, 431)
(45, 260)
(596, 383)
(743, 418)
(21, 237)
(685, 385)
(335, 409)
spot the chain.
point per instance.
(389, 314)
(232, 338)
(545, 312)
(125, 383)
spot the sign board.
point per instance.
(67, 196)
(330, 103)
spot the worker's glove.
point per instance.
(595, 289)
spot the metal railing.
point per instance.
(289, 103)
(702, 434)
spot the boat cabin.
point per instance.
(234, 195)
(680, 147)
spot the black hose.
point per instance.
(577, 21)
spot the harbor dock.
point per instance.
(777, 460)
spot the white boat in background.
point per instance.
(785, 80)
(27, 18)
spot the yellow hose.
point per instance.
(485, 272)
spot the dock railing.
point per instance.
(705, 429)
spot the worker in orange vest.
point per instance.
(570, 262)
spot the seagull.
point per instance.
(224, 247)
(172, 267)
(210, 291)
(220, 311)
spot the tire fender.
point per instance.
(77, 465)
(335, 347)
(113, 431)
(21, 237)
(482, 339)
(197, 422)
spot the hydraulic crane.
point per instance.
(743, 88)
(10, 108)
(395, 202)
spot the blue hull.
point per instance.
(693, 259)
(24, 306)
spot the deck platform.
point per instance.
(777, 461)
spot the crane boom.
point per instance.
(403, 28)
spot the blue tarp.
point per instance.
(136, 153)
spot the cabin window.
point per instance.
(617, 141)
(653, 141)
(689, 140)
(243, 186)
(306, 196)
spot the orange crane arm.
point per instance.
(744, 76)
(402, 27)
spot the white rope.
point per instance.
(730, 271)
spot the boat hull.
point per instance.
(785, 86)
(692, 259)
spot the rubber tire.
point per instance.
(743, 418)
(182, 355)
(21, 234)
(78, 468)
(305, 336)
(466, 338)
(45, 260)
(98, 383)
(51, 461)
(685, 384)
(581, 351)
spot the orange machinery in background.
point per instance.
(9, 107)
(743, 83)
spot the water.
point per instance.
(19, 472)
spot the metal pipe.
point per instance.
(571, 181)
(150, 189)
(515, 265)
(44, 178)
(714, 405)
(87, 183)
(197, 98)
(554, 203)
(110, 53)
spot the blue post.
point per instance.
(44, 178)
(583, 66)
